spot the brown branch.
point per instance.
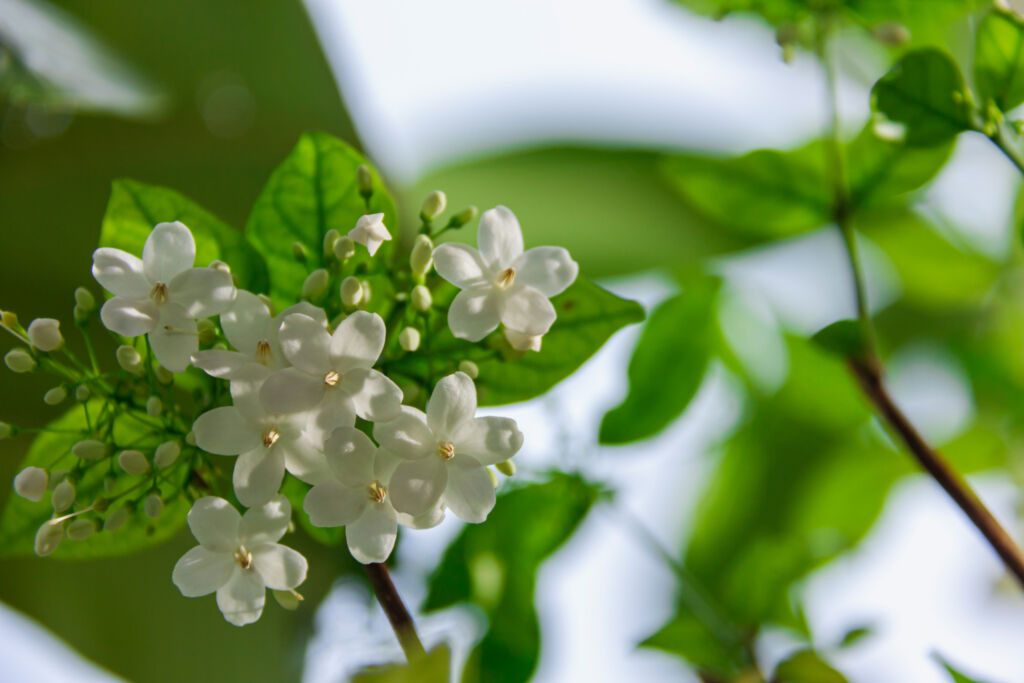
(391, 602)
(870, 377)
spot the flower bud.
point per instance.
(207, 331)
(154, 406)
(100, 504)
(891, 33)
(166, 454)
(133, 462)
(48, 538)
(351, 292)
(30, 483)
(330, 237)
(367, 292)
(81, 529)
(20, 360)
(315, 284)
(344, 248)
(55, 396)
(421, 298)
(57, 476)
(44, 333)
(129, 359)
(290, 600)
(109, 484)
(299, 252)
(9, 320)
(493, 476)
(163, 375)
(82, 393)
(6, 430)
(116, 519)
(89, 449)
(190, 438)
(84, 300)
(80, 315)
(364, 181)
(422, 257)
(153, 506)
(470, 368)
(409, 339)
(219, 265)
(463, 217)
(63, 496)
(507, 467)
(433, 206)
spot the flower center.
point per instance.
(263, 353)
(446, 450)
(158, 293)
(506, 278)
(270, 437)
(243, 558)
(377, 492)
(332, 378)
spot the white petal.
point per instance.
(549, 270)
(470, 492)
(417, 485)
(527, 311)
(304, 460)
(120, 273)
(357, 342)
(241, 600)
(370, 231)
(475, 313)
(371, 538)
(214, 522)
(428, 520)
(201, 571)
(305, 308)
(173, 338)
(335, 411)
(488, 440)
(452, 404)
(407, 436)
(246, 386)
(305, 344)
(291, 391)
(169, 250)
(460, 265)
(334, 504)
(280, 567)
(247, 322)
(202, 291)
(523, 342)
(225, 431)
(130, 317)
(266, 523)
(499, 238)
(258, 475)
(374, 397)
(350, 454)
(221, 364)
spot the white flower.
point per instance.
(161, 294)
(501, 282)
(333, 371)
(252, 331)
(266, 443)
(239, 557)
(370, 232)
(31, 483)
(44, 333)
(447, 451)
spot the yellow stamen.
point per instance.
(270, 437)
(507, 277)
(158, 293)
(243, 557)
(446, 450)
(263, 352)
(378, 493)
(332, 378)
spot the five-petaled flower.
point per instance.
(370, 232)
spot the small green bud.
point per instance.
(299, 252)
(80, 315)
(63, 496)
(109, 485)
(493, 476)
(207, 331)
(129, 359)
(57, 476)
(82, 393)
(433, 206)
(344, 249)
(153, 506)
(154, 406)
(44, 333)
(100, 504)
(470, 368)
(116, 519)
(55, 396)
(351, 292)
(507, 467)
(891, 33)
(10, 321)
(48, 538)
(81, 529)
(421, 298)
(330, 237)
(364, 181)
(409, 339)
(163, 375)
(315, 284)
(463, 217)
(84, 300)
(190, 438)
(20, 360)
(89, 449)
(421, 259)
(166, 454)
(133, 462)
(290, 600)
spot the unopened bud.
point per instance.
(891, 33)
(207, 331)
(6, 430)
(220, 266)
(55, 396)
(133, 462)
(109, 485)
(507, 467)
(84, 299)
(190, 438)
(100, 504)
(364, 181)
(44, 333)
(20, 360)
(48, 538)
(129, 359)
(409, 339)
(30, 483)
(367, 292)
(422, 257)
(153, 506)
(344, 248)
(330, 237)
(82, 393)
(63, 496)
(463, 217)
(421, 298)
(351, 292)
(166, 454)
(315, 284)
(493, 476)
(79, 314)
(299, 252)
(470, 368)
(9, 320)
(163, 375)
(116, 519)
(433, 206)
(57, 476)
(290, 600)
(89, 449)
(81, 529)
(154, 406)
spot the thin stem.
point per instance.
(959, 490)
(391, 602)
(1007, 141)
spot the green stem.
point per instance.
(391, 602)
(1007, 141)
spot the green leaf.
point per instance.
(313, 190)
(135, 208)
(701, 645)
(667, 366)
(999, 59)
(434, 668)
(925, 92)
(855, 635)
(495, 564)
(807, 666)
(880, 171)
(52, 450)
(845, 338)
(957, 675)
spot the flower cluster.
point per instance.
(304, 393)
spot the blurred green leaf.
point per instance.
(696, 641)
(52, 450)
(957, 675)
(925, 92)
(135, 208)
(855, 635)
(881, 170)
(999, 59)
(495, 565)
(807, 666)
(845, 338)
(314, 190)
(667, 365)
(434, 668)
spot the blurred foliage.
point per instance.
(434, 668)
